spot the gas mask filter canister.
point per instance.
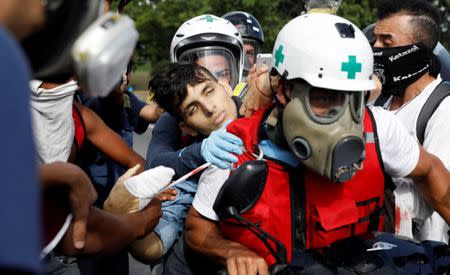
(102, 52)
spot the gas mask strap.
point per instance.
(274, 126)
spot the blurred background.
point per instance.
(157, 22)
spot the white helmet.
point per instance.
(325, 50)
(210, 41)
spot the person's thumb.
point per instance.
(129, 173)
(79, 226)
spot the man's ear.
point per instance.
(282, 90)
(188, 130)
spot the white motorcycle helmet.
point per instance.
(338, 58)
(213, 43)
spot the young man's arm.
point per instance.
(204, 237)
(80, 194)
(403, 157)
(203, 233)
(108, 233)
(163, 148)
(433, 182)
(107, 141)
(142, 114)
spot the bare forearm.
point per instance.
(58, 174)
(107, 141)
(108, 233)
(204, 237)
(435, 187)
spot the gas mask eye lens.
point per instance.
(326, 106)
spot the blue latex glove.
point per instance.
(217, 148)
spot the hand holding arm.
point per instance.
(80, 191)
(132, 193)
(108, 233)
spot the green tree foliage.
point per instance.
(158, 20)
(360, 12)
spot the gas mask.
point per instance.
(324, 130)
(102, 52)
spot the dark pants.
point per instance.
(60, 265)
(116, 264)
(350, 256)
(183, 261)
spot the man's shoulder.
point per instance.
(14, 72)
(13, 62)
(385, 121)
(166, 122)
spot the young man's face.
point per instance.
(206, 108)
(249, 51)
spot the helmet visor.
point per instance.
(219, 61)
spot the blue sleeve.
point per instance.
(171, 224)
(163, 148)
(20, 230)
(139, 125)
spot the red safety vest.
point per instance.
(309, 211)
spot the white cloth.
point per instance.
(411, 205)
(53, 126)
(149, 183)
(209, 185)
(400, 153)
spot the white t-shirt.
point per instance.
(399, 150)
(436, 142)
